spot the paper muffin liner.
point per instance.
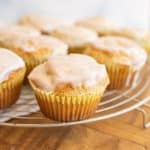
(10, 89)
(121, 76)
(79, 49)
(30, 64)
(32, 60)
(146, 46)
(69, 106)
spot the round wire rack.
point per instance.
(114, 103)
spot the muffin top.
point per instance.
(9, 62)
(41, 23)
(97, 23)
(33, 43)
(74, 36)
(68, 71)
(18, 30)
(133, 33)
(121, 50)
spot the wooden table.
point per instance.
(121, 133)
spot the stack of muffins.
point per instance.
(67, 86)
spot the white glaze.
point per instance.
(41, 23)
(74, 35)
(74, 70)
(9, 62)
(133, 33)
(132, 53)
(19, 30)
(97, 23)
(34, 43)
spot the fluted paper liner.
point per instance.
(69, 106)
(77, 49)
(120, 75)
(146, 46)
(32, 60)
(10, 89)
(30, 64)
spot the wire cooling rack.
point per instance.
(114, 103)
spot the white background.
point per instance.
(125, 12)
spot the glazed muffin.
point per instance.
(19, 30)
(69, 87)
(140, 36)
(123, 58)
(12, 71)
(43, 24)
(101, 25)
(76, 37)
(33, 49)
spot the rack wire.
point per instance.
(114, 103)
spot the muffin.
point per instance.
(101, 25)
(69, 87)
(76, 37)
(41, 23)
(33, 49)
(12, 71)
(19, 30)
(123, 59)
(140, 36)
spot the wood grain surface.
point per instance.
(121, 133)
